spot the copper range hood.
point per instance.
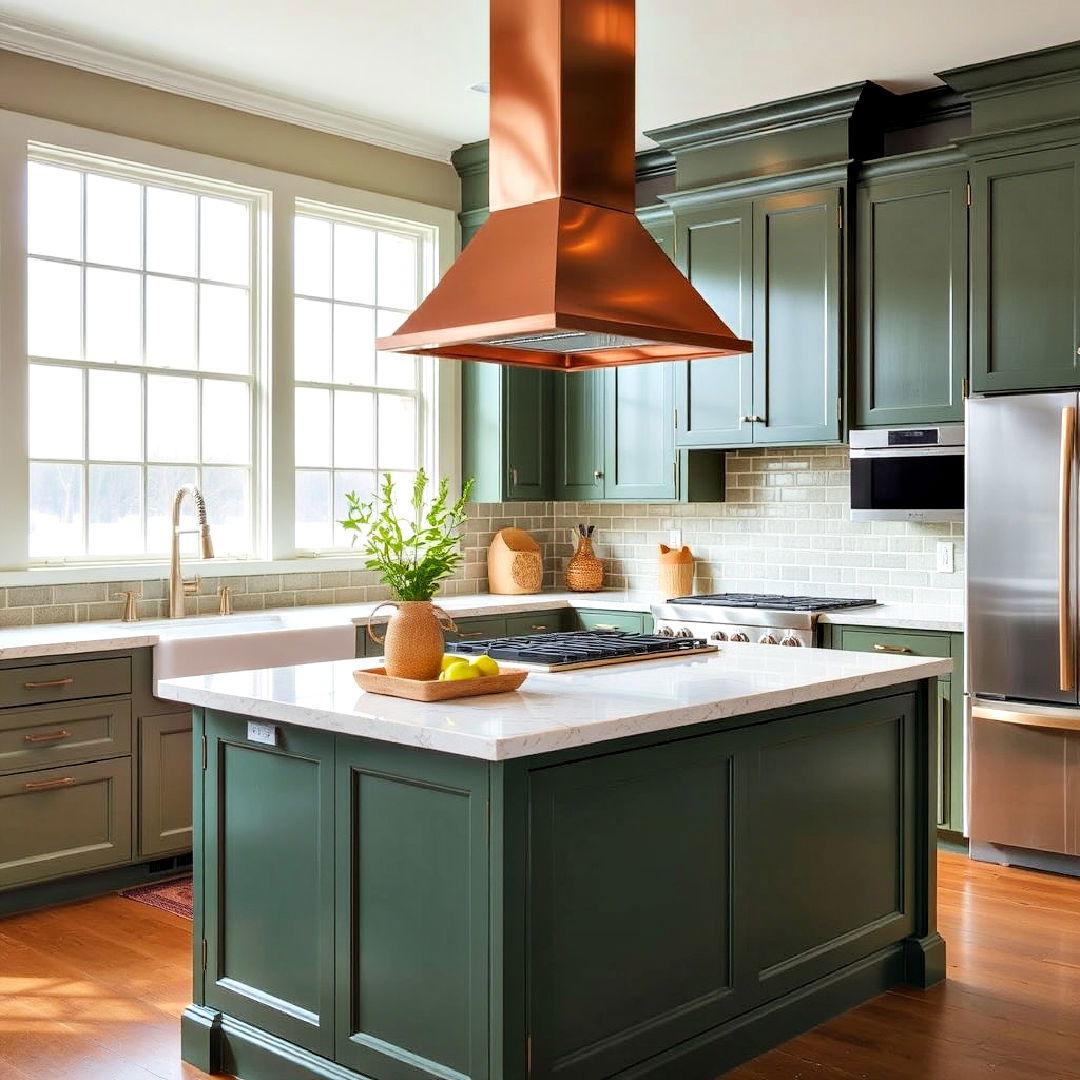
(562, 274)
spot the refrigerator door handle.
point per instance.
(1066, 658)
(1047, 719)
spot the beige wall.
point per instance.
(59, 92)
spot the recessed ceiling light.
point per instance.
(481, 88)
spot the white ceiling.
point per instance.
(407, 66)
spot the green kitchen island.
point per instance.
(651, 871)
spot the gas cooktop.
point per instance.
(767, 602)
(581, 648)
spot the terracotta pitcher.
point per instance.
(413, 644)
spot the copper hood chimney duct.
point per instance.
(562, 275)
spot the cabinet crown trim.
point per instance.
(833, 173)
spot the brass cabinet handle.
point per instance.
(53, 736)
(538, 626)
(1048, 721)
(1066, 665)
(470, 633)
(604, 626)
(48, 684)
(513, 476)
(900, 649)
(598, 474)
(48, 785)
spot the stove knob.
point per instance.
(739, 636)
(665, 631)
(718, 635)
(684, 632)
(766, 639)
(792, 643)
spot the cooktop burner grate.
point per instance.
(578, 647)
(767, 602)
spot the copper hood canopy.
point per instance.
(562, 274)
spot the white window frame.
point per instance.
(273, 494)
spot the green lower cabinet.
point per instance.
(660, 907)
(165, 783)
(912, 284)
(950, 702)
(1025, 271)
(267, 858)
(411, 913)
(629, 622)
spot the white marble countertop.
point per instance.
(554, 711)
(900, 617)
(66, 638)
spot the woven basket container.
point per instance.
(515, 565)
(584, 571)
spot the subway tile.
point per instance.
(29, 595)
(80, 594)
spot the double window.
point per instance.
(158, 353)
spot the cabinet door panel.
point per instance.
(640, 432)
(631, 937)
(716, 254)
(797, 318)
(527, 426)
(412, 913)
(268, 880)
(579, 412)
(165, 783)
(912, 300)
(1025, 257)
(64, 821)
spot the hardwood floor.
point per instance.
(92, 991)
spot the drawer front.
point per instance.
(470, 629)
(43, 683)
(896, 642)
(536, 622)
(64, 734)
(64, 821)
(631, 622)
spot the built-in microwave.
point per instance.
(908, 474)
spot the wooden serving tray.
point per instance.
(376, 681)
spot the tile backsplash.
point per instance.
(785, 527)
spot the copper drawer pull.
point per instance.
(48, 785)
(878, 647)
(49, 684)
(538, 626)
(471, 633)
(53, 736)
(605, 626)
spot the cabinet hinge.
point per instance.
(202, 952)
(203, 751)
(965, 388)
(967, 193)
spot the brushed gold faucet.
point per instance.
(178, 587)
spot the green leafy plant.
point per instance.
(412, 554)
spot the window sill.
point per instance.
(89, 572)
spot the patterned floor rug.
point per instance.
(174, 896)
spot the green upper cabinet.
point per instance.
(507, 431)
(797, 318)
(771, 268)
(1025, 265)
(713, 397)
(579, 436)
(639, 433)
(911, 299)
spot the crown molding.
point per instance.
(46, 44)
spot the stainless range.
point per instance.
(768, 620)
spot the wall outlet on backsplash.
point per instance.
(946, 563)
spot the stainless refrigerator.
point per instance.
(1022, 630)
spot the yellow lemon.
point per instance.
(455, 672)
(485, 665)
(450, 659)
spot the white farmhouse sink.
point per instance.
(209, 646)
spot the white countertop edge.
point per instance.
(554, 736)
(900, 617)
